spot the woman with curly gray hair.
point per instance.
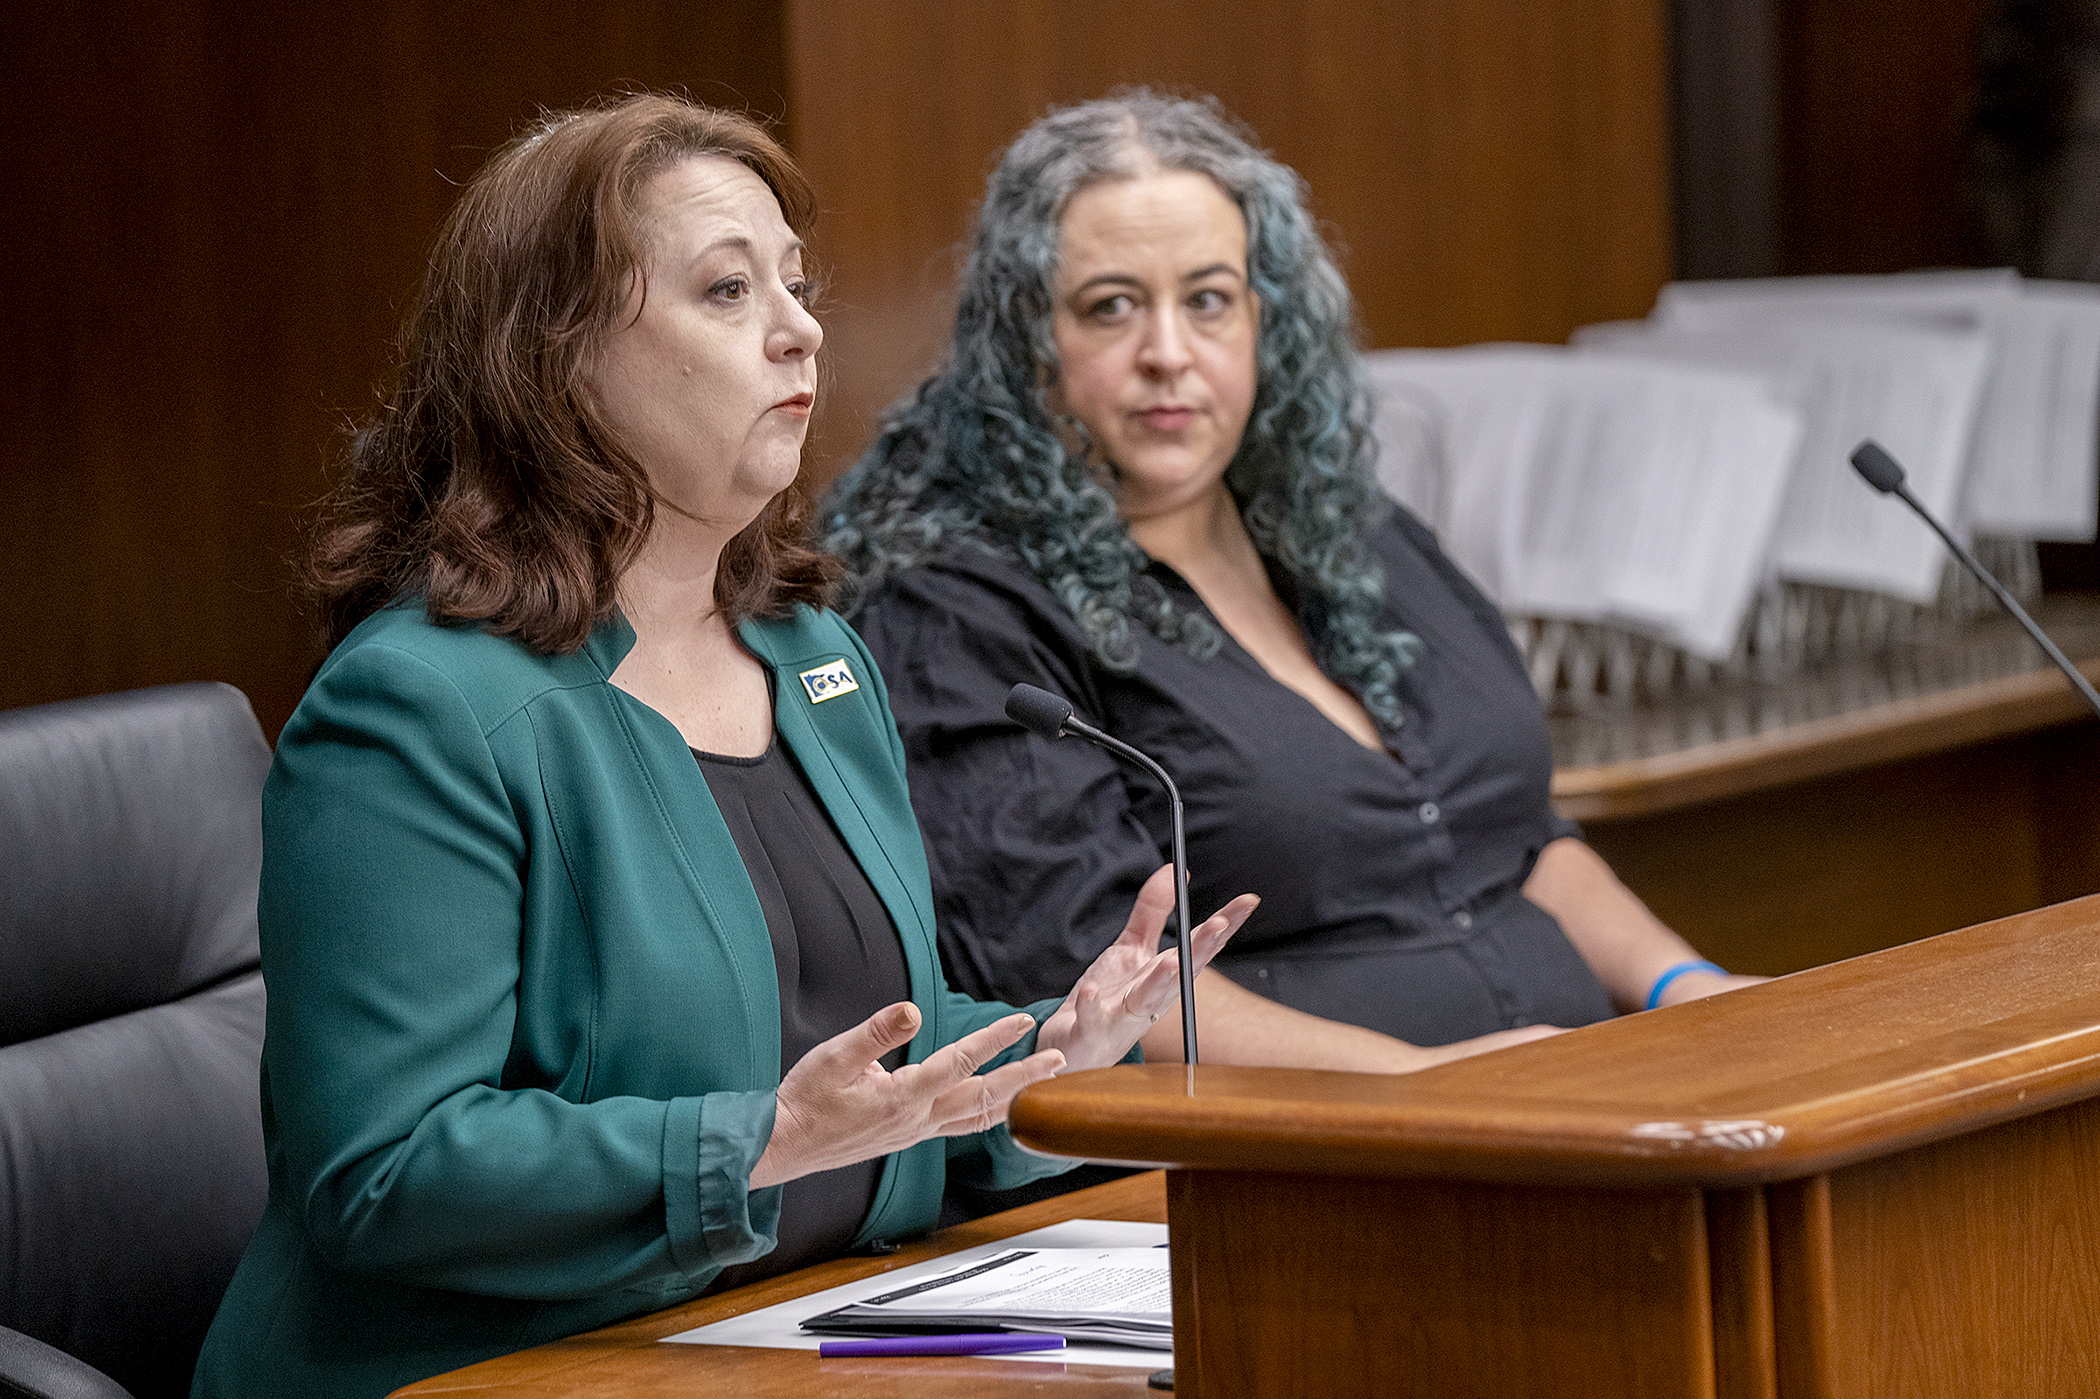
(1143, 479)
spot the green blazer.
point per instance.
(524, 1027)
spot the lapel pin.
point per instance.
(829, 681)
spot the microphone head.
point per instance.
(1872, 461)
(1038, 711)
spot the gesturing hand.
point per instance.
(837, 1105)
(1131, 984)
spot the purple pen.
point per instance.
(983, 1343)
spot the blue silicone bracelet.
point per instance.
(1662, 983)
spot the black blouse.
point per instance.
(1390, 881)
(837, 959)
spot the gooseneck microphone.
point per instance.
(1881, 471)
(1050, 715)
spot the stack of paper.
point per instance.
(1661, 472)
(780, 1325)
(1914, 388)
(1597, 488)
(2031, 470)
(1408, 428)
(1121, 1296)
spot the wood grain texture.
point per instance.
(627, 1360)
(1804, 1286)
(215, 220)
(1494, 169)
(1971, 1266)
(1874, 148)
(1773, 1082)
(1806, 873)
(1739, 1257)
(1431, 1289)
(1970, 715)
(1876, 822)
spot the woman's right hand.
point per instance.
(838, 1105)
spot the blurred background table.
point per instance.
(1783, 825)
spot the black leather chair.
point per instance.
(131, 1022)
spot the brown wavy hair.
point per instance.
(488, 482)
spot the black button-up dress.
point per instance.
(1391, 882)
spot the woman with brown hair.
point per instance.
(596, 926)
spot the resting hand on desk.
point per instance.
(838, 1105)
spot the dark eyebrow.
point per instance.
(735, 240)
(1125, 279)
(742, 244)
(1107, 279)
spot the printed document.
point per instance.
(1119, 1295)
(1600, 488)
(2031, 471)
(1915, 388)
(780, 1326)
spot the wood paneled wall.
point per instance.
(1822, 136)
(1493, 169)
(1874, 134)
(214, 213)
(216, 209)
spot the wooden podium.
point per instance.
(1871, 1180)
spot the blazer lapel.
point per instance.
(724, 901)
(838, 739)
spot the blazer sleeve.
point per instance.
(393, 915)
(1037, 849)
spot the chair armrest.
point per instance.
(29, 1369)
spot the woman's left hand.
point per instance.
(1131, 985)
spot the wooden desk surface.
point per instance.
(628, 1360)
(1989, 681)
(1773, 1082)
